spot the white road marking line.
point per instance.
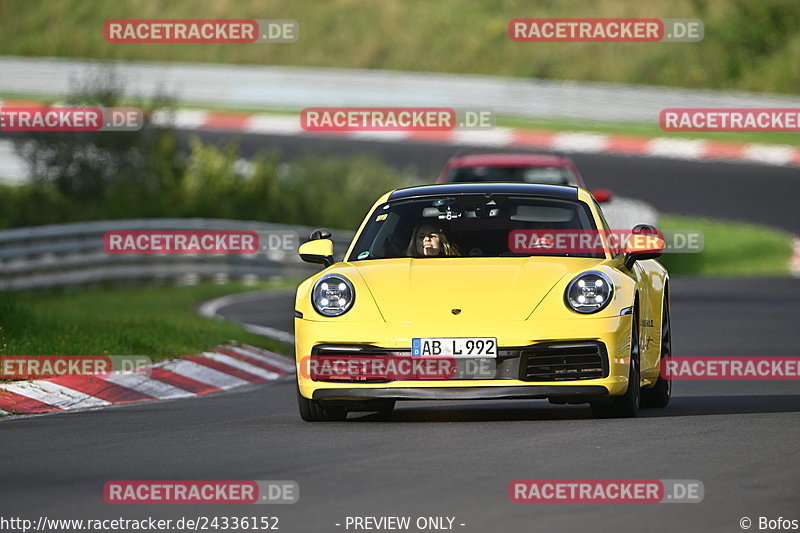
(202, 373)
(145, 385)
(263, 355)
(241, 365)
(55, 395)
(210, 309)
(272, 333)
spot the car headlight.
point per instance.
(589, 292)
(333, 295)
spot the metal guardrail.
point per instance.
(73, 254)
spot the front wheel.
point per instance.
(659, 395)
(313, 411)
(627, 405)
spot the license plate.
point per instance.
(454, 346)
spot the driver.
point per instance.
(430, 240)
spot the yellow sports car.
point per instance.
(483, 291)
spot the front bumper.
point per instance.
(577, 393)
(613, 333)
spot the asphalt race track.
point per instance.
(457, 459)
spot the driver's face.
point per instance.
(428, 241)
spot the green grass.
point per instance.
(748, 44)
(731, 249)
(159, 322)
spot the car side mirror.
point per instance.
(602, 195)
(644, 243)
(317, 251)
(321, 233)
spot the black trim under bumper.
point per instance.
(585, 392)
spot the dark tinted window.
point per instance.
(472, 225)
(544, 175)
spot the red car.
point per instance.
(549, 169)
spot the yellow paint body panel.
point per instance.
(518, 300)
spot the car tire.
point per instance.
(658, 396)
(627, 405)
(313, 411)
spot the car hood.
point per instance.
(497, 288)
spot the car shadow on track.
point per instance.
(528, 411)
(471, 412)
(727, 405)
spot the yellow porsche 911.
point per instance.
(479, 291)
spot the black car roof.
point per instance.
(526, 189)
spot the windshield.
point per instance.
(543, 175)
(466, 226)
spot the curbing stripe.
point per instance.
(242, 365)
(211, 364)
(104, 390)
(230, 366)
(794, 267)
(584, 142)
(496, 137)
(11, 402)
(145, 385)
(55, 395)
(771, 154)
(226, 120)
(580, 142)
(675, 148)
(270, 367)
(203, 374)
(182, 382)
(668, 147)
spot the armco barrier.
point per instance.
(73, 254)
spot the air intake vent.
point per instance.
(564, 362)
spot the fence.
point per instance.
(73, 254)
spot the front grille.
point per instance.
(564, 362)
(356, 350)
